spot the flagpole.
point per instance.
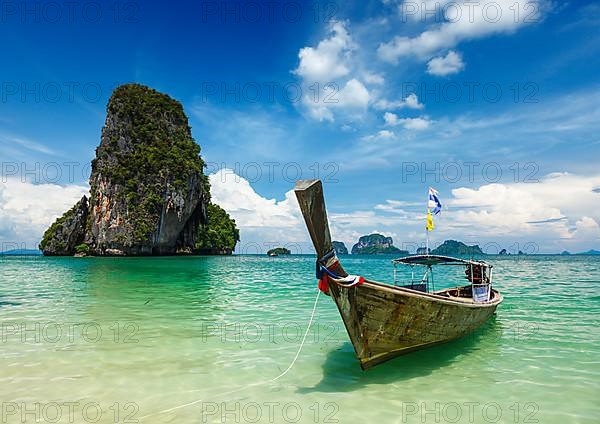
(427, 229)
(427, 242)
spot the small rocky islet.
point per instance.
(278, 251)
(148, 192)
(376, 244)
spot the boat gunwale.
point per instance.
(433, 296)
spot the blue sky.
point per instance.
(510, 102)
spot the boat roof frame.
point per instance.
(429, 260)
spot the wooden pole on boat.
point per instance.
(312, 204)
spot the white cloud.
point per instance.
(403, 209)
(560, 212)
(236, 195)
(319, 112)
(353, 97)
(587, 230)
(411, 102)
(354, 94)
(372, 78)
(26, 144)
(27, 210)
(445, 65)
(390, 118)
(475, 20)
(554, 196)
(327, 82)
(380, 135)
(327, 61)
(264, 223)
(418, 124)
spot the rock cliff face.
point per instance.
(148, 194)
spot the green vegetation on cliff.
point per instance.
(51, 233)
(221, 234)
(67, 231)
(375, 250)
(157, 123)
(82, 249)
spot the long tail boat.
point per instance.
(384, 320)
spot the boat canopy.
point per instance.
(429, 260)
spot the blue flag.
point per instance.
(434, 203)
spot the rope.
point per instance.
(323, 269)
(347, 281)
(312, 316)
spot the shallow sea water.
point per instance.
(120, 340)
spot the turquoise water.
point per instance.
(134, 339)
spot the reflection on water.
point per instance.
(341, 362)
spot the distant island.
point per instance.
(340, 248)
(376, 244)
(148, 192)
(456, 248)
(279, 251)
(590, 252)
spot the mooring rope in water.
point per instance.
(310, 321)
(312, 316)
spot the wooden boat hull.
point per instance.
(384, 321)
